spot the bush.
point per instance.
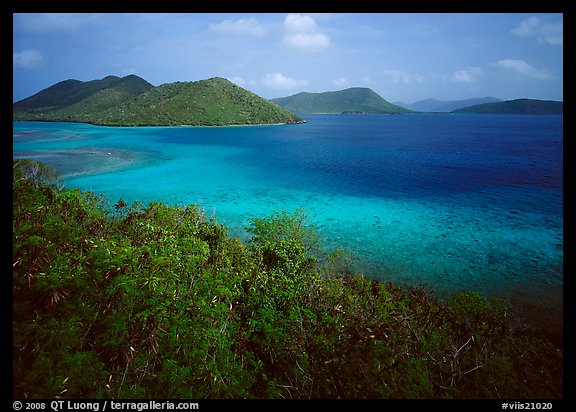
(158, 301)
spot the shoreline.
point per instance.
(159, 125)
(231, 125)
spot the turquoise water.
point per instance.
(449, 202)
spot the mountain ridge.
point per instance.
(131, 101)
(71, 91)
(351, 100)
(516, 106)
(446, 106)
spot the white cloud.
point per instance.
(249, 27)
(297, 23)
(467, 75)
(520, 69)
(400, 76)
(27, 59)
(303, 34)
(307, 41)
(340, 82)
(546, 33)
(279, 81)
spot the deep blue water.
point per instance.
(449, 202)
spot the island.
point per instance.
(353, 100)
(132, 101)
(517, 106)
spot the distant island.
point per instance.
(132, 101)
(443, 106)
(353, 100)
(518, 106)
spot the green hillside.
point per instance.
(132, 101)
(212, 102)
(518, 106)
(71, 98)
(352, 100)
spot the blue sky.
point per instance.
(402, 57)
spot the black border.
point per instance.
(340, 6)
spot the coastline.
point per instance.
(161, 125)
(233, 125)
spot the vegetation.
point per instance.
(355, 99)
(73, 100)
(159, 301)
(212, 102)
(440, 106)
(131, 101)
(518, 106)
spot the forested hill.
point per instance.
(355, 99)
(518, 106)
(131, 101)
(441, 106)
(76, 98)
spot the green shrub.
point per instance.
(159, 301)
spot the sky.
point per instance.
(402, 57)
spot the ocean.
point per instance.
(446, 202)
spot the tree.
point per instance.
(286, 241)
(36, 173)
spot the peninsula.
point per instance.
(132, 101)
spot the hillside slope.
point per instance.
(212, 102)
(355, 99)
(132, 101)
(433, 105)
(518, 106)
(71, 99)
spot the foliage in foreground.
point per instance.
(159, 301)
